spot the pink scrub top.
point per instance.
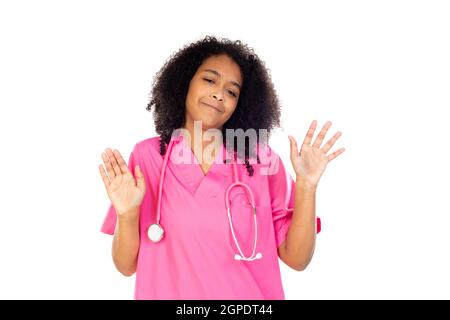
(195, 259)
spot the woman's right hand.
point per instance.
(125, 193)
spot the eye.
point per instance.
(232, 93)
(208, 80)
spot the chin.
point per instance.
(208, 123)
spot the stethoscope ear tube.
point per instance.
(242, 256)
(252, 202)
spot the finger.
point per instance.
(322, 134)
(122, 164)
(294, 148)
(310, 133)
(331, 142)
(335, 154)
(113, 161)
(104, 176)
(140, 182)
(108, 166)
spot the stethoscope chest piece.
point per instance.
(155, 232)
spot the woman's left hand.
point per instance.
(310, 162)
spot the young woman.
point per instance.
(196, 213)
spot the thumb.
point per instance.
(294, 149)
(140, 183)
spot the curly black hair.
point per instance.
(257, 108)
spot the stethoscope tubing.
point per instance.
(235, 183)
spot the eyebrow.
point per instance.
(219, 75)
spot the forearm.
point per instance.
(126, 243)
(301, 236)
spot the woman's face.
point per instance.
(213, 92)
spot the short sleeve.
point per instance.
(109, 222)
(282, 194)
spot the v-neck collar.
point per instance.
(191, 174)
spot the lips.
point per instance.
(217, 108)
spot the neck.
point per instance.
(199, 141)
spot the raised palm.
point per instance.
(311, 160)
(124, 190)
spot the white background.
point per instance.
(75, 78)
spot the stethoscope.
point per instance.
(156, 231)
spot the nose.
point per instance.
(217, 96)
